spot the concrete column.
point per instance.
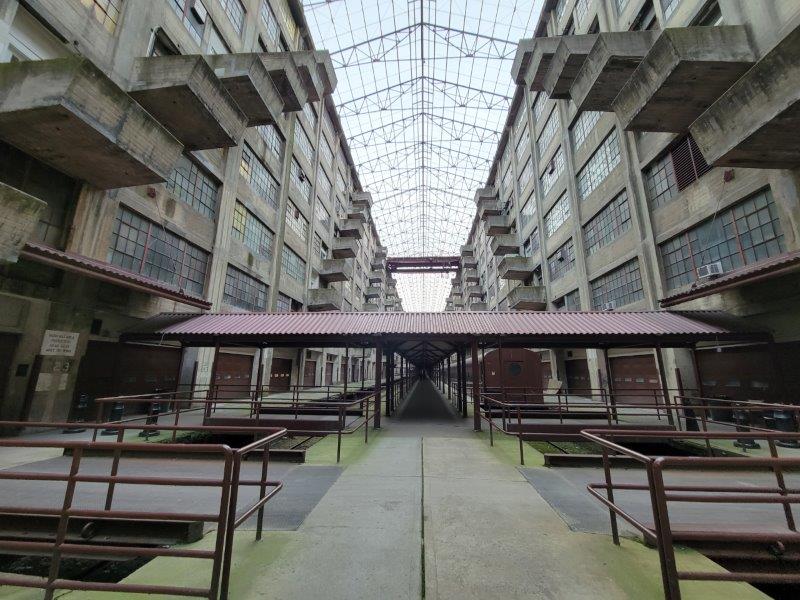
(476, 390)
(378, 377)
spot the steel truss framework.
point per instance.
(424, 90)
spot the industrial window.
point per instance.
(646, 18)
(526, 174)
(144, 247)
(258, 176)
(322, 215)
(507, 179)
(292, 265)
(597, 168)
(528, 212)
(284, 303)
(548, 132)
(621, 4)
(580, 10)
(674, 171)
(273, 139)
(562, 261)
(194, 16)
(216, 43)
(320, 248)
(192, 185)
(618, 287)
(607, 225)
(327, 127)
(710, 16)
(270, 22)
(559, 9)
(296, 221)
(248, 229)
(325, 152)
(244, 291)
(105, 11)
(323, 185)
(569, 301)
(659, 181)
(524, 142)
(538, 105)
(669, 7)
(531, 245)
(311, 114)
(553, 171)
(341, 184)
(235, 11)
(557, 215)
(300, 180)
(740, 235)
(583, 127)
(303, 143)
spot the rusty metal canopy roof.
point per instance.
(777, 266)
(514, 328)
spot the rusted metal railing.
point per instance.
(663, 533)
(225, 518)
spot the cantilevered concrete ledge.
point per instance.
(67, 113)
(497, 225)
(609, 65)
(522, 60)
(527, 297)
(684, 72)
(336, 269)
(246, 79)
(324, 299)
(566, 63)
(344, 247)
(185, 95)
(542, 51)
(351, 228)
(327, 74)
(307, 67)
(756, 122)
(506, 243)
(515, 267)
(283, 70)
(362, 199)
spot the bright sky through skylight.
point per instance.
(424, 89)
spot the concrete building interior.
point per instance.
(432, 299)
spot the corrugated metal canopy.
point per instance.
(514, 328)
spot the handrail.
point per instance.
(662, 532)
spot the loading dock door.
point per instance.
(635, 373)
(280, 374)
(234, 372)
(310, 373)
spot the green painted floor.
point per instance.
(429, 510)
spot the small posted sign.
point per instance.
(59, 343)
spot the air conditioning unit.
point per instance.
(710, 271)
(609, 305)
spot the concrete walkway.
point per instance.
(429, 510)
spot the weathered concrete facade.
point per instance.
(194, 144)
(621, 208)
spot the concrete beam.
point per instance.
(68, 114)
(755, 123)
(185, 95)
(609, 65)
(344, 248)
(327, 74)
(514, 267)
(325, 299)
(246, 79)
(522, 60)
(542, 51)
(684, 72)
(497, 225)
(505, 244)
(19, 216)
(527, 297)
(285, 75)
(336, 269)
(566, 63)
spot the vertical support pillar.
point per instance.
(259, 375)
(449, 391)
(777, 371)
(378, 377)
(610, 383)
(389, 382)
(464, 382)
(696, 370)
(476, 390)
(363, 366)
(483, 369)
(346, 369)
(210, 392)
(662, 375)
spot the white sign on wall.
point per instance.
(59, 343)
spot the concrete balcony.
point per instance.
(488, 207)
(68, 114)
(469, 262)
(474, 291)
(515, 267)
(247, 80)
(467, 250)
(344, 247)
(377, 277)
(370, 307)
(608, 67)
(373, 291)
(326, 72)
(471, 276)
(184, 95)
(478, 306)
(285, 75)
(325, 299)
(358, 214)
(362, 200)
(540, 55)
(755, 122)
(336, 269)
(381, 252)
(497, 225)
(686, 70)
(378, 264)
(505, 244)
(566, 63)
(527, 297)
(352, 228)
(309, 74)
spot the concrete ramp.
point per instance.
(424, 401)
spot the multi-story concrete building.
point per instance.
(169, 155)
(646, 163)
